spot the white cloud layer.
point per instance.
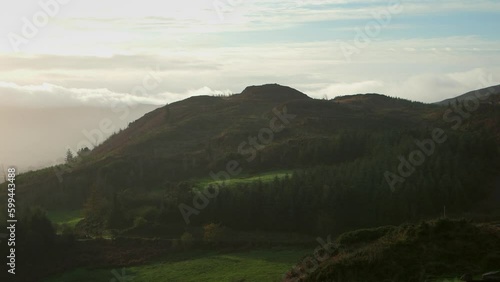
(50, 95)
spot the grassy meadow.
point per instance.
(70, 218)
(256, 265)
(245, 179)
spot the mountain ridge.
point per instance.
(260, 98)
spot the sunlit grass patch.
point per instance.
(257, 265)
(247, 179)
(70, 218)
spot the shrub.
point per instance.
(67, 235)
(140, 222)
(364, 235)
(187, 240)
(214, 233)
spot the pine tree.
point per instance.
(69, 156)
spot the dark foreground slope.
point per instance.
(422, 252)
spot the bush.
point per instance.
(215, 233)
(67, 237)
(35, 231)
(364, 235)
(187, 240)
(140, 222)
(176, 243)
(149, 213)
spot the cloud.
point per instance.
(435, 87)
(428, 87)
(121, 62)
(427, 66)
(50, 95)
(339, 89)
(94, 27)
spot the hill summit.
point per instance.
(272, 92)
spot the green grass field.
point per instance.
(264, 177)
(70, 218)
(257, 265)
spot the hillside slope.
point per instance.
(422, 252)
(490, 92)
(205, 131)
(338, 153)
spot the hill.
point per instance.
(420, 252)
(38, 128)
(270, 160)
(491, 91)
(177, 144)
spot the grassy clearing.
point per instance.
(257, 265)
(70, 218)
(264, 177)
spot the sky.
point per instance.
(59, 54)
(71, 52)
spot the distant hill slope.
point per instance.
(206, 130)
(192, 122)
(40, 136)
(492, 91)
